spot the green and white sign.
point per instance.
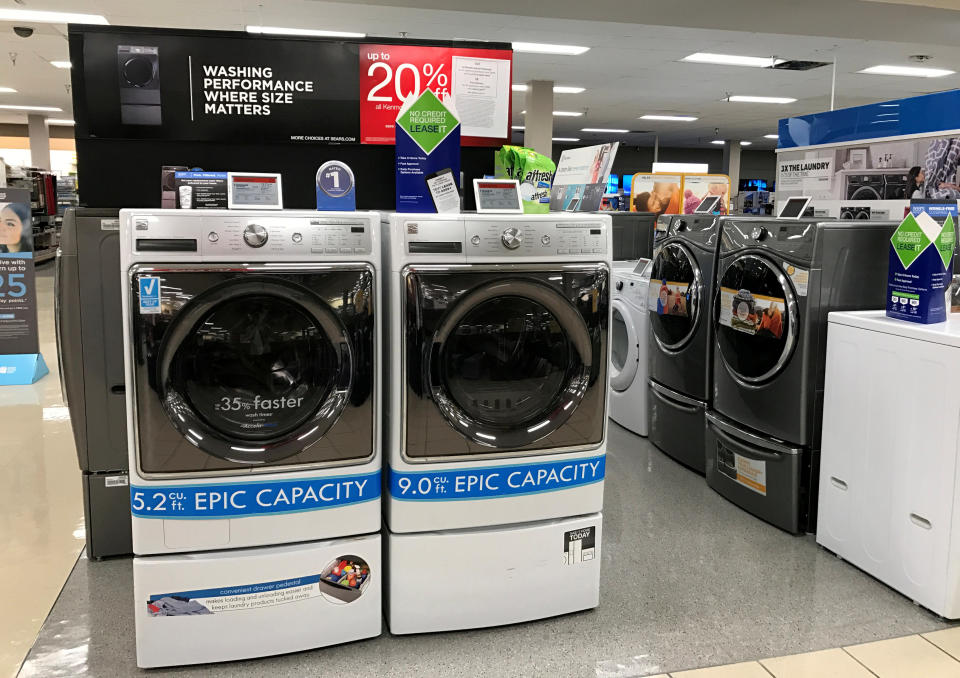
(428, 140)
(921, 263)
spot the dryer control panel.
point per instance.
(247, 235)
(535, 238)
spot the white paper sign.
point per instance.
(481, 93)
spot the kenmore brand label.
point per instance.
(149, 295)
(921, 264)
(496, 481)
(235, 500)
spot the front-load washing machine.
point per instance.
(865, 186)
(252, 380)
(777, 281)
(629, 334)
(497, 416)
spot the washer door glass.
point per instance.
(674, 297)
(510, 363)
(756, 313)
(251, 371)
(623, 347)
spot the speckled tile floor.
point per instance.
(689, 581)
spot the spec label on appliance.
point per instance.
(496, 481)
(580, 545)
(235, 500)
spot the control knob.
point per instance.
(511, 238)
(760, 233)
(255, 235)
(619, 285)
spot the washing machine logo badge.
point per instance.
(149, 294)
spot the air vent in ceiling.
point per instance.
(797, 65)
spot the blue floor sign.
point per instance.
(496, 481)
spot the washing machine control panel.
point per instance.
(546, 238)
(286, 236)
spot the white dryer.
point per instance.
(629, 336)
(497, 406)
(252, 350)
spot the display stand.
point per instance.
(22, 368)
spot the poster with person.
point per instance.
(696, 187)
(657, 193)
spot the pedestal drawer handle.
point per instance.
(838, 483)
(921, 521)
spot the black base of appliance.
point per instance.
(770, 479)
(106, 504)
(677, 425)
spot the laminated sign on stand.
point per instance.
(20, 359)
(428, 140)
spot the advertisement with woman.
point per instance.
(18, 314)
(657, 193)
(696, 187)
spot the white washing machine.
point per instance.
(497, 415)
(629, 336)
(252, 344)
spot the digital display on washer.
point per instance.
(254, 191)
(497, 195)
(794, 208)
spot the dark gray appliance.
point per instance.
(776, 283)
(854, 213)
(681, 283)
(633, 235)
(138, 70)
(895, 186)
(865, 187)
(90, 349)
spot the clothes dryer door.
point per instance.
(756, 319)
(675, 291)
(624, 346)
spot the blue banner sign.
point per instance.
(496, 481)
(235, 500)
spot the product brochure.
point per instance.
(581, 178)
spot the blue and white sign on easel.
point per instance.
(20, 359)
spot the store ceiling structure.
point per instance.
(633, 66)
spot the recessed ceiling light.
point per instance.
(557, 89)
(677, 118)
(771, 136)
(719, 142)
(731, 60)
(746, 143)
(7, 90)
(603, 130)
(915, 71)
(61, 64)
(41, 17)
(279, 30)
(543, 48)
(746, 99)
(59, 121)
(518, 127)
(567, 114)
(565, 139)
(13, 107)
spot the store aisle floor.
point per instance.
(689, 581)
(41, 502)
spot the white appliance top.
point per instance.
(947, 333)
(224, 235)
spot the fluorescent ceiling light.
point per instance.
(7, 90)
(519, 127)
(746, 143)
(691, 167)
(12, 107)
(312, 32)
(718, 142)
(745, 99)
(59, 121)
(771, 136)
(557, 89)
(565, 139)
(731, 60)
(678, 118)
(567, 114)
(543, 48)
(603, 130)
(41, 17)
(61, 64)
(915, 71)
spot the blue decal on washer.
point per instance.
(149, 294)
(496, 481)
(235, 500)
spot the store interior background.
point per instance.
(633, 68)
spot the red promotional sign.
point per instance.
(479, 80)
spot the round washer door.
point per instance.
(674, 297)
(624, 347)
(254, 371)
(865, 193)
(756, 319)
(138, 71)
(509, 363)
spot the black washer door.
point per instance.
(674, 297)
(255, 371)
(138, 71)
(510, 363)
(756, 313)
